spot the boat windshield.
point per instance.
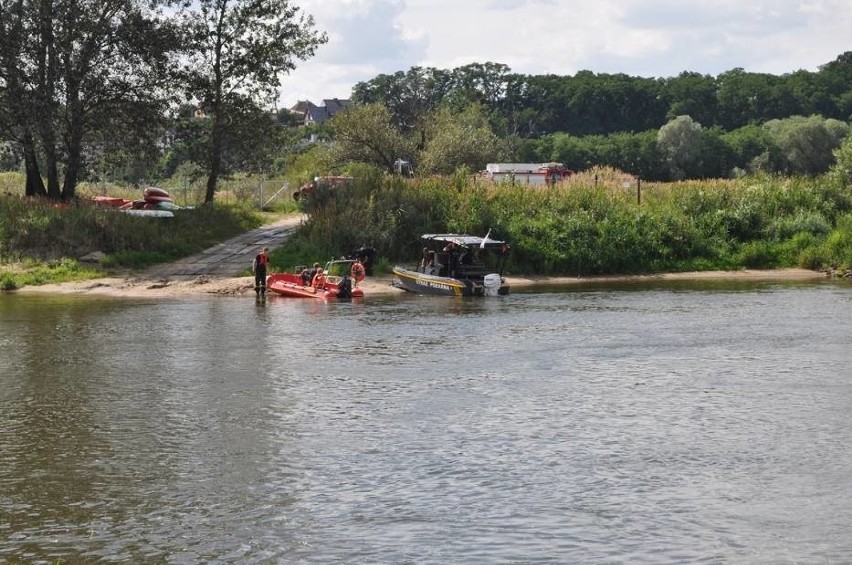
(339, 267)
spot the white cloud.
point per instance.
(653, 38)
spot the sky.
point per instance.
(647, 38)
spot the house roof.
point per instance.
(301, 106)
(318, 114)
(334, 105)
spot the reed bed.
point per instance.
(595, 224)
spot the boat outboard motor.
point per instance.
(491, 284)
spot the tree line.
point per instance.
(599, 104)
(689, 126)
(92, 86)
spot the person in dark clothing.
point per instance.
(258, 267)
(308, 275)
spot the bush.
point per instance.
(585, 227)
(758, 255)
(8, 282)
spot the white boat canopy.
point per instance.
(463, 240)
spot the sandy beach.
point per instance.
(142, 287)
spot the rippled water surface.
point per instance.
(623, 424)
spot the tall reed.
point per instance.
(587, 226)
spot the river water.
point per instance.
(700, 423)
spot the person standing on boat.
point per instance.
(258, 267)
(452, 250)
(424, 260)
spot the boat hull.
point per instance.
(290, 285)
(423, 283)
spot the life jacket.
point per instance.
(358, 271)
(319, 280)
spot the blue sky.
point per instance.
(650, 38)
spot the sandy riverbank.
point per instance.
(242, 286)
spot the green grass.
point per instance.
(31, 273)
(40, 241)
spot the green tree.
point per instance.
(408, 96)
(238, 52)
(455, 140)
(681, 142)
(752, 149)
(841, 171)
(835, 78)
(368, 134)
(17, 118)
(806, 143)
(72, 68)
(535, 105)
(745, 98)
(478, 83)
(692, 94)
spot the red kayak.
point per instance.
(154, 195)
(290, 284)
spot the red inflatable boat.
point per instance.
(290, 284)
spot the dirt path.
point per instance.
(230, 258)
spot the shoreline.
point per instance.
(141, 287)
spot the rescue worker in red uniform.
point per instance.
(357, 272)
(258, 267)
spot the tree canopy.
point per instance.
(94, 85)
(82, 79)
(589, 103)
(71, 69)
(236, 54)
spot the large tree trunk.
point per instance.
(72, 172)
(34, 183)
(75, 118)
(215, 158)
(46, 98)
(51, 168)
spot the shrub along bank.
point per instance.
(594, 224)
